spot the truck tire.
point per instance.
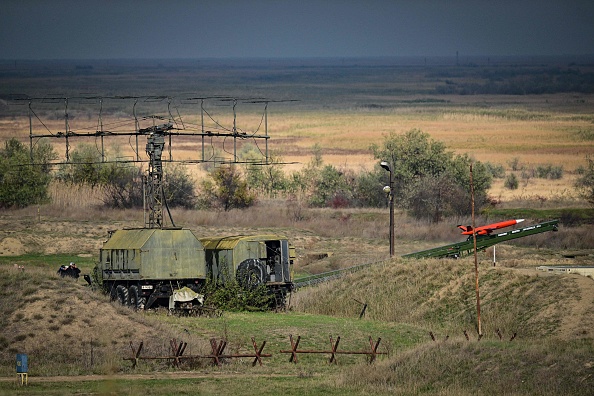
(123, 296)
(251, 273)
(134, 298)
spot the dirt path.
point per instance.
(580, 320)
(152, 376)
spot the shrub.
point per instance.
(514, 164)
(123, 186)
(585, 183)
(178, 187)
(511, 182)
(225, 188)
(497, 171)
(233, 297)
(330, 183)
(549, 172)
(556, 172)
(86, 167)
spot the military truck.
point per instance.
(252, 260)
(145, 267)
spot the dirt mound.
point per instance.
(50, 236)
(68, 328)
(12, 247)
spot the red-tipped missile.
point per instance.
(488, 229)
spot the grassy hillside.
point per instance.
(440, 296)
(67, 328)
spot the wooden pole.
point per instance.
(478, 297)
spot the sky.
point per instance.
(133, 29)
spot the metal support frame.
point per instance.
(465, 248)
(154, 180)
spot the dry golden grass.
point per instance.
(536, 130)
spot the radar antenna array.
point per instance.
(156, 136)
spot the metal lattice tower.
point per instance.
(153, 182)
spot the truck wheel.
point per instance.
(123, 296)
(134, 297)
(251, 273)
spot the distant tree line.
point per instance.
(519, 81)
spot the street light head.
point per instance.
(387, 189)
(385, 165)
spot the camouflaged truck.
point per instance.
(146, 267)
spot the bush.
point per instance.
(225, 188)
(585, 183)
(231, 296)
(86, 167)
(549, 172)
(330, 184)
(178, 187)
(514, 164)
(369, 188)
(511, 182)
(123, 186)
(497, 171)
(556, 172)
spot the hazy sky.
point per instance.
(99, 29)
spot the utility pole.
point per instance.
(478, 296)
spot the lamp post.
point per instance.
(390, 191)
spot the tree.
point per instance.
(459, 168)
(178, 187)
(86, 167)
(431, 181)
(331, 184)
(24, 178)
(585, 183)
(433, 197)
(412, 155)
(122, 186)
(225, 188)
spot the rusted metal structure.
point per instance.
(218, 352)
(371, 353)
(217, 355)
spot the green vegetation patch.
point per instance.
(48, 261)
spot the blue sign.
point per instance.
(21, 363)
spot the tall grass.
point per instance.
(439, 295)
(457, 367)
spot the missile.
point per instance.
(488, 229)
